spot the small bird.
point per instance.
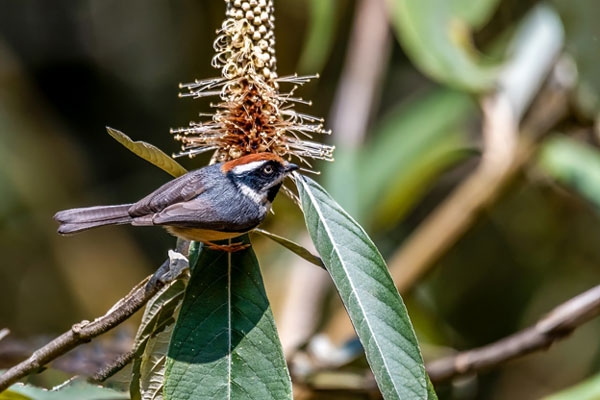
(217, 202)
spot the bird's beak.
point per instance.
(289, 167)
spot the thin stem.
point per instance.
(84, 331)
(557, 325)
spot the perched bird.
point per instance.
(217, 202)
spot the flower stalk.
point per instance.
(253, 115)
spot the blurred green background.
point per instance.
(68, 69)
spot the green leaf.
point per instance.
(225, 344)
(436, 35)
(153, 365)
(76, 389)
(431, 395)
(194, 253)
(368, 293)
(586, 390)
(148, 152)
(150, 347)
(155, 331)
(573, 164)
(293, 247)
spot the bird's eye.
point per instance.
(268, 169)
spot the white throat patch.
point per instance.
(250, 193)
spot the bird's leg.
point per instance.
(229, 248)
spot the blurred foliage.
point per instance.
(436, 35)
(69, 69)
(320, 35)
(414, 142)
(587, 390)
(583, 35)
(573, 164)
(225, 342)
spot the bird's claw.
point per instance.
(229, 248)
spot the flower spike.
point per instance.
(252, 115)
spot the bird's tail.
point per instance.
(80, 219)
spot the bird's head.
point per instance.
(258, 176)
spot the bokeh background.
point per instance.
(402, 89)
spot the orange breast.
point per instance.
(201, 235)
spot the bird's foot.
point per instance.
(229, 248)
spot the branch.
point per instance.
(85, 330)
(557, 325)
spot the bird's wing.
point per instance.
(205, 211)
(195, 213)
(179, 190)
(228, 212)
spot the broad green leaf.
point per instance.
(77, 389)
(368, 293)
(586, 390)
(156, 327)
(154, 334)
(153, 365)
(436, 35)
(225, 344)
(573, 164)
(148, 152)
(431, 395)
(194, 253)
(293, 247)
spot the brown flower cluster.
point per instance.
(253, 115)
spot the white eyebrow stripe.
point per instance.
(241, 169)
